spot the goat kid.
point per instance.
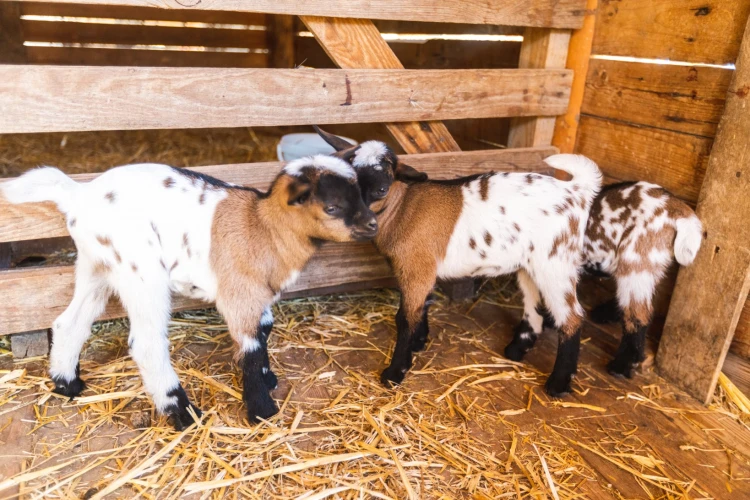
(634, 231)
(147, 231)
(483, 225)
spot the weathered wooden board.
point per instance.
(125, 57)
(540, 49)
(542, 13)
(625, 152)
(710, 294)
(12, 49)
(741, 340)
(53, 98)
(281, 38)
(33, 297)
(130, 34)
(686, 99)
(42, 220)
(708, 31)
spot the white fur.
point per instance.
(688, 240)
(267, 318)
(250, 344)
(321, 162)
(41, 184)
(370, 154)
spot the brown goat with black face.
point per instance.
(145, 231)
(483, 225)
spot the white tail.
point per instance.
(41, 184)
(584, 171)
(688, 239)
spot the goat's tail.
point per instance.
(584, 171)
(688, 240)
(41, 184)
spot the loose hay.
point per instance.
(465, 428)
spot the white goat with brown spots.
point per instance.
(147, 231)
(484, 225)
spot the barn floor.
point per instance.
(466, 424)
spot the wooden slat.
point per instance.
(52, 98)
(12, 49)
(128, 34)
(75, 56)
(42, 220)
(685, 99)
(148, 13)
(741, 340)
(542, 13)
(711, 293)
(540, 49)
(356, 43)
(32, 298)
(281, 38)
(708, 31)
(625, 152)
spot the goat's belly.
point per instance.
(469, 266)
(195, 284)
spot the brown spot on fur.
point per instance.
(502, 210)
(133, 267)
(168, 182)
(185, 241)
(484, 187)
(174, 265)
(545, 212)
(104, 240)
(488, 238)
(202, 198)
(117, 256)
(529, 179)
(482, 254)
(72, 222)
(472, 243)
(101, 268)
(156, 231)
(161, 261)
(110, 197)
(517, 227)
(531, 247)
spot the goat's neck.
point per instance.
(288, 237)
(388, 208)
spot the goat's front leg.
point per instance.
(266, 324)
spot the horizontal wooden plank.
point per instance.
(34, 297)
(542, 13)
(78, 56)
(129, 34)
(388, 26)
(708, 31)
(685, 99)
(626, 152)
(54, 98)
(115, 11)
(42, 220)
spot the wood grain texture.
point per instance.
(710, 295)
(356, 43)
(72, 56)
(741, 340)
(32, 221)
(542, 13)
(33, 297)
(281, 37)
(53, 98)
(540, 49)
(625, 152)
(686, 99)
(128, 34)
(708, 31)
(12, 49)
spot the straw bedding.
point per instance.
(466, 424)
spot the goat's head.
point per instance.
(376, 164)
(323, 195)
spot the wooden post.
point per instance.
(541, 48)
(30, 344)
(356, 43)
(579, 53)
(12, 49)
(5, 255)
(710, 294)
(281, 37)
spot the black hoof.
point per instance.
(178, 413)
(515, 351)
(260, 406)
(557, 386)
(392, 376)
(621, 368)
(606, 313)
(270, 379)
(70, 389)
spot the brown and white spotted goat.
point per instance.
(482, 225)
(634, 231)
(147, 231)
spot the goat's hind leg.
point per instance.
(636, 316)
(526, 333)
(71, 329)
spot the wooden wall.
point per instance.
(656, 122)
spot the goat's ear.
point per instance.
(406, 173)
(335, 141)
(299, 190)
(347, 154)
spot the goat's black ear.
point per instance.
(335, 141)
(300, 190)
(347, 154)
(406, 173)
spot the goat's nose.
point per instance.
(372, 224)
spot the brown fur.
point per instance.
(110, 197)
(168, 182)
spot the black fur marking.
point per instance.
(595, 270)
(269, 377)
(607, 312)
(518, 347)
(402, 355)
(460, 181)
(70, 389)
(566, 365)
(630, 353)
(178, 413)
(213, 181)
(422, 331)
(255, 394)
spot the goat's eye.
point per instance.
(332, 209)
(383, 190)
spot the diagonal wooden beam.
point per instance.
(357, 44)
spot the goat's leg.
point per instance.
(422, 332)
(266, 324)
(415, 289)
(606, 312)
(637, 310)
(71, 329)
(527, 331)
